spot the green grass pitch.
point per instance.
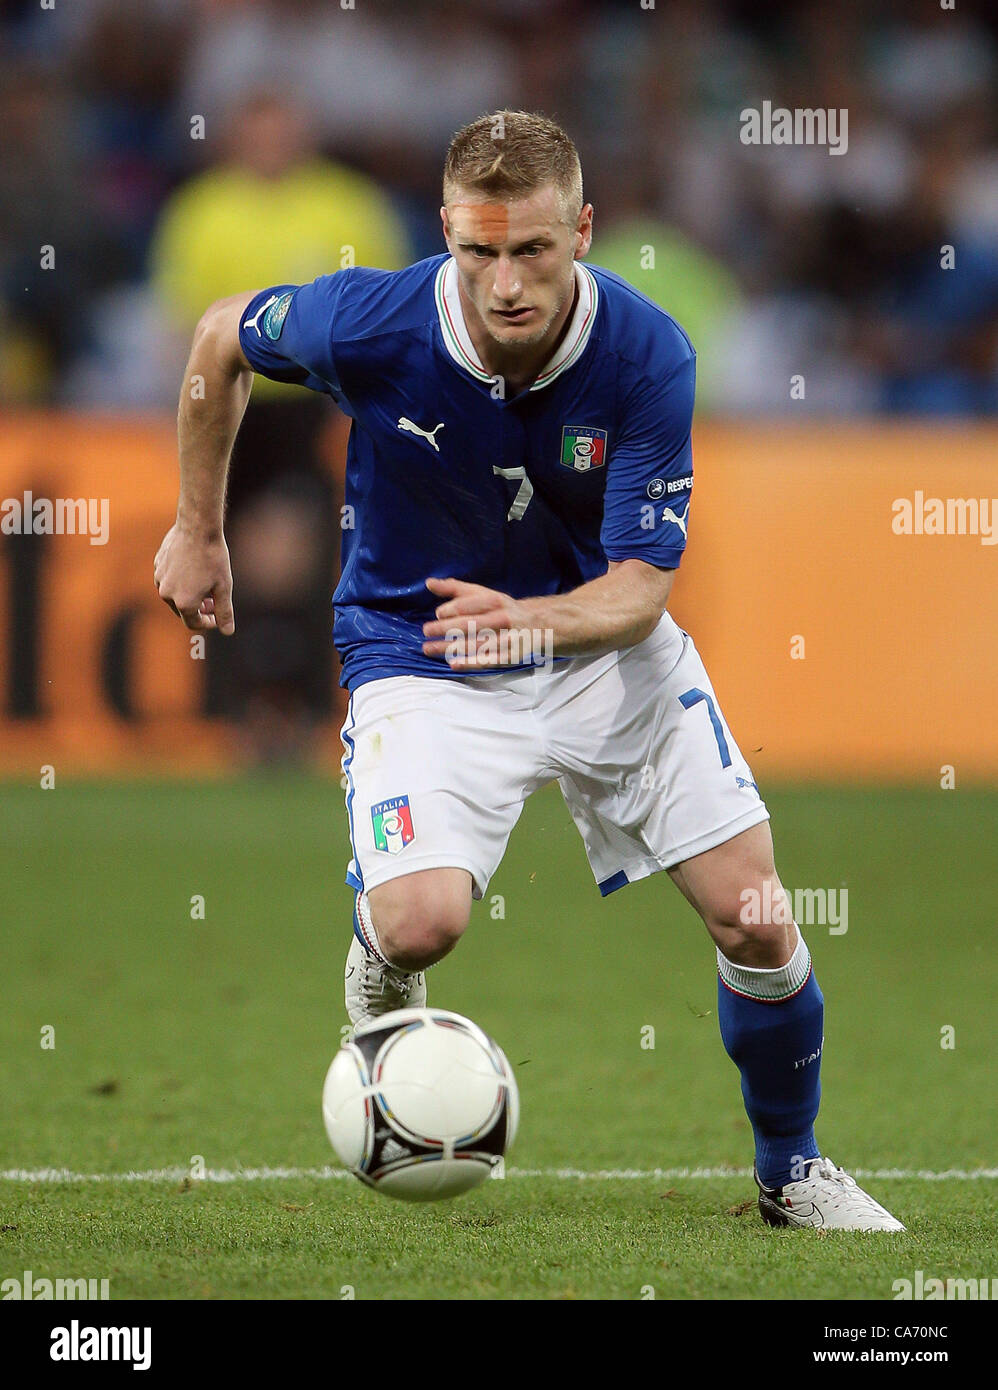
(175, 1037)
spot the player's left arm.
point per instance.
(618, 609)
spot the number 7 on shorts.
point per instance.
(692, 697)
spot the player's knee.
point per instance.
(754, 926)
(419, 922)
(416, 939)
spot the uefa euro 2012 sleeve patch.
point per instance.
(273, 319)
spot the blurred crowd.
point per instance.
(159, 154)
(173, 150)
(169, 151)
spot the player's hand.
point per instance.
(476, 628)
(194, 578)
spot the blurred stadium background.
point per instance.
(160, 154)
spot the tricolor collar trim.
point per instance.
(457, 339)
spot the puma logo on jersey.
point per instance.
(407, 426)
(252, 323)
(670, 515)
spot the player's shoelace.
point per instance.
(825, 1168)
(379, 982)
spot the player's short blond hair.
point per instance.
(510, 154)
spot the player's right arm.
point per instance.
(285, 333)
(192, 571)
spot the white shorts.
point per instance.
(437, 770)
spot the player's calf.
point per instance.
(753, 925)
(770, 1009)
(736, 890)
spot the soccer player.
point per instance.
(518, 495)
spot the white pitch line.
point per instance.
(224, 1175)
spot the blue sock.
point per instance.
(771, 1025)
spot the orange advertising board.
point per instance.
(840, 647)
(796, 533)
(110, 685)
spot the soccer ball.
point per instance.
(420, 1104)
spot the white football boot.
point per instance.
(827, 1199)
(372, 987)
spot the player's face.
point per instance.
(515, 261)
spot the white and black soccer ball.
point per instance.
(421, 1104)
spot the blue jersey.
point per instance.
(530, 495)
